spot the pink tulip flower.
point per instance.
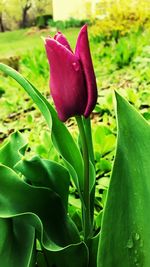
(72, 79)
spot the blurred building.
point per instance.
(79, 9)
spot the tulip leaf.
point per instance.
(40, 207)
(93, 246)
(45, 173)
(13, 150)
(61, 137)
(73, 256)
(125, 232)
(12, 250)
(68, 149)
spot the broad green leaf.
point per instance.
(73, 256)
(41, 207)
(93, 245)
(76, 217)
(45, 173)
(17, 243)
(61, 137)
(125, 230)
(13, 150)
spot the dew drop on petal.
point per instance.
(76, 66)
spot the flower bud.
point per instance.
(72, 78)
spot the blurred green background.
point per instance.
(119, 35)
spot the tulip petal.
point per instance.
(82, 51)
(66, 80)
(59, 37)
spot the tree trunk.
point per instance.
(24, 22)
(2, 28)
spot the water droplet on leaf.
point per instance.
(130, 243)
(135, 260)
(141, 244)
(137, 236)
(135, 252)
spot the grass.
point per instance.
(18, 42)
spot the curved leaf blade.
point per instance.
(61, 137)
(13, 150)
(125, 231)
(73, 256)
(45, 173)
(12, 250)
(41, 207)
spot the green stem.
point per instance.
(88, 132)
(86, 188)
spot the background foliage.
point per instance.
(121, 54)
